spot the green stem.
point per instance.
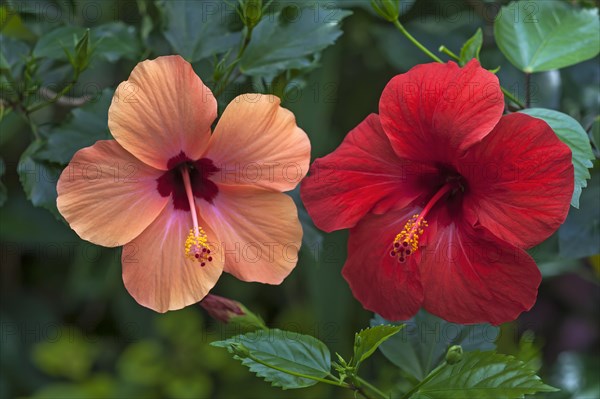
(434, 57)
(54, 99)
(512, 98)
(401, 28)
(225, 81)
(366, 389)
(449, 53)
(426, 379)
(527, 90)
(309, 377)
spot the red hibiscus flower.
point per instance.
(442, 195)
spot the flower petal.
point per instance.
(381, 283)
(162, 110)
(156, 271)
(434, 112)
(107, 195)
(258, 231)
(470, 276)
(520, 180)
(362, 175)
(257, 142)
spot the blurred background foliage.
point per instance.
(68, 327)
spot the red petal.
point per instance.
(363, 174)
(520, 180)
(381, 283)
(470, 276)
(434, 112)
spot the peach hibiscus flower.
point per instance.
(189, 204)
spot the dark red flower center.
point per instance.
(171, 182)
(450, 188)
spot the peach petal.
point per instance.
(257, 142)
(156, 271)
(258, 231)
(107, 195)
(162, 110)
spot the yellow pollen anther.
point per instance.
(406, 242)
(196, 246)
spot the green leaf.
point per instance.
(368, 340)
(529, 351)
(87, 125)
(114, 41)
(3, 194)
(540, 36)
(12, 55)
(54, 44)
(546, 256)
(471, 48)
(287, 350)
(197, 31)
(482, 375)
(110, 42)
(423, 342)
(570, 132)
(595, 134)
(579, 236)
(39, 178)
(69, 356)
(281, 42)
(81, 59)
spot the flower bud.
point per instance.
(220, 308)
(239, 350)
(251, 12)
(454, 354)
(386, 9)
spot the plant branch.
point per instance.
(64, 100)
(53, 99)
(434, 57)
(426, 379)
(366, 389)
(527, 90)
(414, 41)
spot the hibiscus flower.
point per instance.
(442, 195)
(188, 204)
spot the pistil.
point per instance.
(406, 242)
(196, 245)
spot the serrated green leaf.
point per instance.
(471, 48)
(482, 375)
(368, 340)
(280, 42)
(579, 236)
(595, 134)
(423, 342)
(288, 350)
(87, 125)
(570, 132)
(529, 351)
(197, 29)
(539, 36)
(39, 178)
